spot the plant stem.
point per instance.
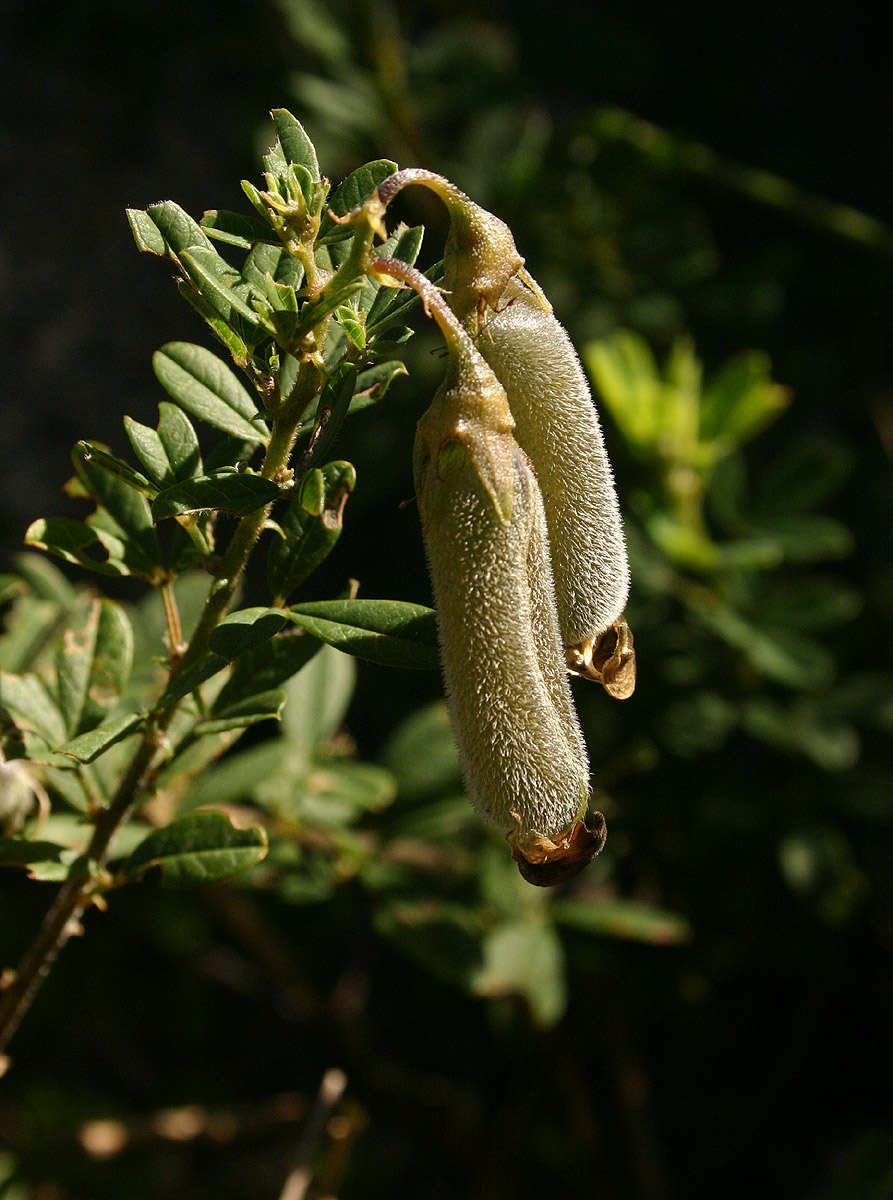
(76, 892)
(172, 615)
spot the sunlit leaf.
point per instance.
(244, 630)
(197, 849)
(296, 145)
(89, 746)
(204, 385)
(238, 492)
(391, 632)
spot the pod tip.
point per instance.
(545, 862)
(609, 658)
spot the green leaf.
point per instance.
(70, 540)
(290, 327)
(123, 522)
(92, 666)
(176, 227)
(269, 665)
(337, 793)
(296, 145)
(625, 373)
(807, 537)
(192, 762)
(803, 728)
(148, 237)
(374, 383)
(810, 603)
(748, 554)
(10, 587)
(219, 285)
(237, 229)
(196, 849)
(240, 777)
(238, 492)
(308, 537)
(101, 458)
(318, 698)
(697, 722)
(234, 342)
(203, 384)
(525, 958)
(274, 261)
(29, 702)
(30, 627)
(187, 681)
(422, 753)
(391, 632)
(264, 706)
(779, 654)
(245, 630)
(20, 852)
(239, 633)
(353, 326)
(89, 746)
(147, 447)
(170, 454)
(445, 938)
(385, 305)
(622, 919)
(45, 580)
(740, 400)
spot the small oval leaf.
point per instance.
(205, 386)
(391, 632)
(197, 848)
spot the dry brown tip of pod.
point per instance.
(609, 659)
(546, 862)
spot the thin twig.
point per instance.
(331, 1089)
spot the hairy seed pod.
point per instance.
(521, 747)
(505, 311)
(556, 423)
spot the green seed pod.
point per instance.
(522, 750)
(556, 423)
(512, 322)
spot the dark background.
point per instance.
(757, 1065)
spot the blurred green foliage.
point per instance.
(688, 1016)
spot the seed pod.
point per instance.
(556, 423)
(522, 751)
(505, 310)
